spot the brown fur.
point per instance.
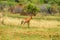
(26, 20)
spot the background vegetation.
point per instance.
(46, 6)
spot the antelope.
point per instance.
(26, 20)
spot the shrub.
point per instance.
(31, 8)
(7, 3)
(54, 8)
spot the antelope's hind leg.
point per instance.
(22, 22)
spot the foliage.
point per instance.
(5, 3)
(32, 5)
(36, 1)
(31, 8)
(54, 8)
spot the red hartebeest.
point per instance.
(26, 20)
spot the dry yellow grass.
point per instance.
(33, 23)
(45, 23)
(41, 32)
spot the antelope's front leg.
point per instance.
(28, 24)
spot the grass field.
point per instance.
(25, 33)
(41, 28)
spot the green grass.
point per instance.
(48, 17)
(25, 33)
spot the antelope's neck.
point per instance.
(29, 18)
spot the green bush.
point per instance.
(54, 8)
(31, 8)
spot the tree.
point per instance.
(31, 9)
(17, 1)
